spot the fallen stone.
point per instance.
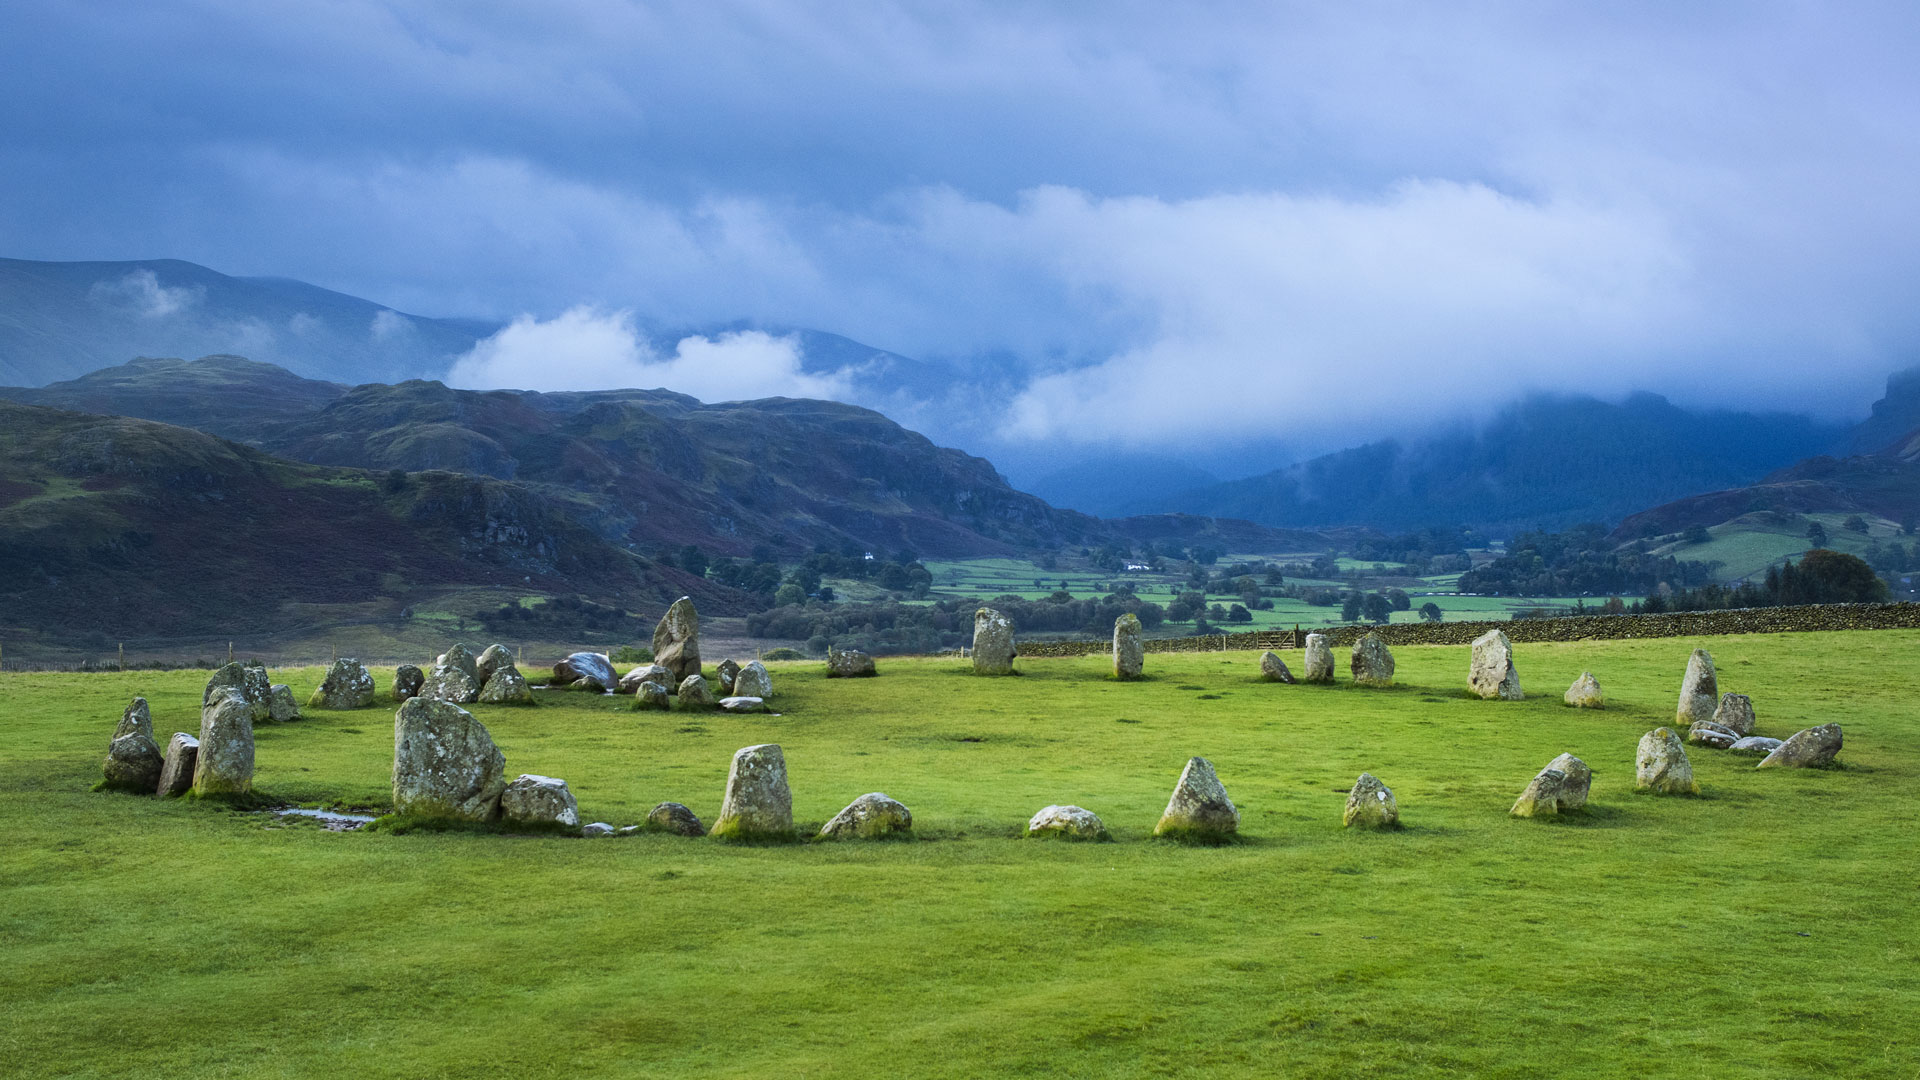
(176, 775)
(280, 704)
(725, 672)
(1372, 663)
(694, 693)
(1067, 823)
(1371, 805)
(539, 800)
(758, 804)
(224, 763)
(133, 760)
(676, 641)
(1735, 714)
(596, 830)
(867, 817)
(1274, 669)
(742, 704)
(1757, 745)
(1492, 674)
(674, 818)
(1699, 691)
(1129, 653)
(1585, 693)
(506, 687)
(450, 683)
(491, 660)
(1807, 749)
(628, 830)
(849, 664)
(1559, 788)
(1711, 735)
(590, 671)
(445, 763)
(753, 681)
(651, 695)
(249, 680)
(1319, 662)
(653, 673)
(992, 643)
(348, 685)
(407, 681)
(1661, 764)
(1199, 806)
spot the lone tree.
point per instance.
(1430, 611)
(1696, 534)
(1856, 523)
(1817, 533)
(1376, 607)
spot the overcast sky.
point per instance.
(1173, 221)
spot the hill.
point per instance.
(229, 396)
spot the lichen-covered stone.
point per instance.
(506, 687)
(1492, 674)
(1274, 669)
(1199, 806)
(491, 659)
(1068, 823)
(450, 683)
(1585, 693)
(407, 681)
(588, 671)
(596, 830)
(539, 800)
(992, 643)
(1319, 660)
(1129, 652)
(631, 681)
(674, 818)
(758, 805)
(1661, 765)
(753, 681)
(459, 656)
(176, 774)
(742, 704)
(1756, 745)
(1372, 662)
(1559, 788)
(1735, 713)
(1711, 735)
(249, 680)
(224, 763)
(1807, 749)
(1699, 691)
(869, 816)
(348, 685)
(849, 664)
(133, 760)
(1371, 805)
(695, 694)
(724, 673)
(280, 704)
(445, 763)
(651, 695)
(676, 640)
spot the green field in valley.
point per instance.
(1766, 928)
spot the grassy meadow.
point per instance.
(1766, 928)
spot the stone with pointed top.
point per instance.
(753, 681)
(1585, 693)
(724, 673)
(249, 680)
(992, 643)
(1199, 806)
(758, 804)
(1699, 691)
(348, 685)
(695, 694)
(1274, 669)
(1371, 805)
(1811, 748)
(1492, 674)
(1372, 662)
(1661, 766)
(1319, 662)
(506, 686)
(869, 816)
(459, 656)
(491, 659)
(676, 641)
(1559, 788)
(445, 764)
(1735, 713)
(134, 762)
(280, 704)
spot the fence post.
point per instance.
(123, 656)
(229, 652)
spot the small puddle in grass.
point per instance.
(332, 820)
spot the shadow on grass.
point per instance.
(403, 824)
(1590, 817)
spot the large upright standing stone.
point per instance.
(452, 683)
(250, 681)
(753, 681)
(1371, 805)
(460, 657)
(992, 643)
(725, 672)
(133, 758)
(491, 659)
(1274, 669)
(1199, 806)
(1319, 662)
(1557, 789)
(224, 764)
(1585, 693)
(1661, 765)
(1699, 691)
(758, 805)
(280, 704)
(407, 681)
(348, 685)
(1129, 653)
(676, 641)
(506, 686)
(1372, 662)
(445, 764)
(1492, 674)
(1810, 749)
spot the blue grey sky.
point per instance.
(1260, 221)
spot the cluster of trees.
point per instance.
(1580, 561)
(1433, 550)
(559, 615)
(1822, 577)
(761, 575)
(888, 627)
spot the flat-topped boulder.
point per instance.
(651, 695)
(849, 664)
(250, 681)
(671, 817)
(1318, 665)
(1661, 766)
(1735, 713)
(649, 672)
(676, 640)
(724, 673)
(1491, 673)
(992, 643)
(1585, 693)
(1559, 788)
(694, 693)
(1199, 807)
(758, 804)
(134, 761)
(223, 766)
(506, 686)
(280, 704)
(741, 703)
(407, 681)
(1372, 661)
(176, 774)
(348, 685)
(1067, 823)
(539, 801)
(1274, 669)
(1711, 735)
(1755, 745)
(445, 764)
(1811, 748)
(868, 817)
(588, 671)
(753, 681)
(1699, 690)
(1371, 805)
(1129, 652)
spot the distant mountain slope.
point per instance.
(228, 396)
(1114, 486)
(1893, 416)
(1543, 462)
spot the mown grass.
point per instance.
(1765, 929)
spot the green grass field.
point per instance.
(1747, 545)
(1765, 929)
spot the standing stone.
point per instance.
(460, 657)
(753, 681)
(445, 764)
(1711, 735)
(280, 705)
(1371, 805)
(452, 683)
(176, 776)
(1492, 674)
(1808, 749)
(1319, 663)
(694, 693)
(506, 687)
(348, 685)
(1129, 654)
(1735, 714)
(224, 763)
(676, 641)
(1585, 693)
(491, 660)
(1274, 669)
(1372, 663)
(849, 664)
(1068, 823)
(249, 680)
(1757, 745)
(1699, 692)
(589, 671)
(133, 758)
(674, 818)
(758, 804)
(867, 817)
(539, 800)
(407, 681)
(1199, 806)
(727, 671)
(651, 695)
(1661, 764)
(992, 643)
(1557, 789)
